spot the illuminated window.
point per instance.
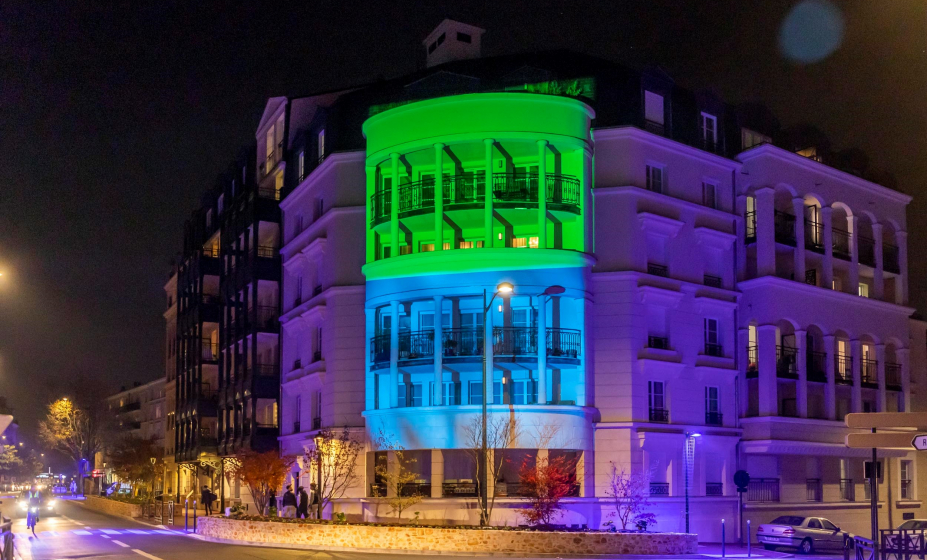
(426, 247)
(750, 138)
(471, 244)
(863, 289)
(302, 165)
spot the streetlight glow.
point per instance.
(505, 288)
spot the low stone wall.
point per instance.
(112, 507)
(428, 540)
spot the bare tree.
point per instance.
(397, 477)
(335, 455)
(502, 433)
(630, 493)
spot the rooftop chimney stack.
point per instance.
(452, 40)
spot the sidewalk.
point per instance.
(713, 550)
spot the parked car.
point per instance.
(804, 533)
(913, 525)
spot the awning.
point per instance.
(782, 447)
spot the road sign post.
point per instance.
(742, 480)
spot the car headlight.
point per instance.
(23, 505)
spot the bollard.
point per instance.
(194, 516)
(748, 538)
(186, 514)
(723, 539)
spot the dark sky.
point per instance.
(113, 122)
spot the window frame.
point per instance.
(705, 118)
(650, 169)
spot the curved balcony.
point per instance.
(467, 344)
(464, 191)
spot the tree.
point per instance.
(336, 456)
(502, 432)
(631, 494)
(75, 430)
(131, 460)
(396, 476)
(10, 462)
(545, 482)
(261, 473)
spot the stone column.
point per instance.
(765, 232)
(766, 350)
(878, 277)
(394, 208)
(542, 349)
(901, 283)
(903, 356)
(743, 340)
(880, 365)
(487, 195)
(853, 227)
(798, 208)
(856, 351)
(394, 354)
(488, 348)
(438, 396)
(542, 194)
(741, 251)
(439, 196)
(801, 389)
(437, 473)
(830, 391)
(827, 268)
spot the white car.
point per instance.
(48, 507)
(804, 533)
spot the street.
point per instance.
(82, 533)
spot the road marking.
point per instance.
(137, 532)
(165, 532)
(120, 543)
(145, 554)
(110, 531)
(106, 536)
(80, 532)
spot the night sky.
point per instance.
(112, 123)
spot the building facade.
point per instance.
(693, 295)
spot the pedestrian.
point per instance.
(73, 488)
(302, 510)
(289, 502)
(206, 496)
(272, 503)
(314, 498)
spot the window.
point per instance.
(656, 395)
(471, 244)
(476, 393)
(299, 410)
(814, 524)
(464, 37)
(708, 194)
(301, 165)
(426, 321)
(497, 392)
(653, 107)
(828, 526)
(525, 242)
(524, 317)
(450, 394)
(709, 127)
(712, 405)
(654, 178)
(712, 339)
(863, 289)
(750, 138)
(525, 391)
(321, 144)
(907, 476)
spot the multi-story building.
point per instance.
(171, 476)
(139, 411)
(690, 299)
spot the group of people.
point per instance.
(300, 505)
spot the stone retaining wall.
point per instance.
(444, 540)
(113, 507)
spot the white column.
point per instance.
(880, 365)
(878, 280)
(827, 269)
(801, 389)
(542, 350)
(438, 396)
(830, 392)
(856, 351)
(766, 358)
(903, 355)
(901, 282)
(394, 208)
(542, 194)
(488, 348)
(743, 340)
(765, 232)
(853, 228)
(487, 194)
(798, 208)
(439, 198)
(394, 354)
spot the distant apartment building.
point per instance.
(138, 412)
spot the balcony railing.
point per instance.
(507, 341)
(847, 490)
(655, 127)
(463, 189)
(269, 192)
(659, 488)
(379, 349)
(317, 356)
(713, 281)
(417, 195)
(209, 350)
(266, 370)
(414, 345)
(813, 489)
(659, 415)
(210, 299)
(265, 316)
(814, 236)
(893, 376)
(714, 488)
(657, 269)
(514, 341)
(785, 228)
(869, 373)
(786, 362)
(843, 369)
(267, 252)
(714, 419)
(713, 349)
(658, 342)
(566, 343)
(750, 227)
(381, 204)
(866, 251)
(763, 490)
(316, 423)
(296, 427)
(816, 366)
(463, 342)
(841, 243)
(890, 258)
(211, 252)
(752, 361)
(523, 187)
(459, 488)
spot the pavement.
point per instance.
(78, 532)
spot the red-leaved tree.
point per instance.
(545, 483)
(261, 473)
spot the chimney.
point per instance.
(452, 40)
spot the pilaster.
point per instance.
(766, 350)
(765, 232)
(798, 209)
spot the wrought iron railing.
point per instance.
(866, 249)
(816, 363)
(659, 488)
(893, 375)
(750, 227)
(414, 345)
(265, 316)
(813, 489)
(714, 349)
(463, 189)
(463, 342)
(763, 490)
(869, 372)
(784, 227)
(459, 489)
(659, 415)
(417, 195)
(786, 362)
(658, 342)
(514, 341)
(752, 361)
(714, 419)
(713, 281)
(269, 192)
(814, 236)
(841, 243)
(209, 350)
(379, 349)
(317, 356)
(266, 252)
(523, 187)
(316, 423)
(657, 269)
(211, 252)
(890, 258)
(655, 127)
(714, 488)
(265, 370)
(566, 343)
(843, 369)
(381, 204)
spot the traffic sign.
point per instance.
(880, 440)
(741, 479)
(920, 442)
(886, 420)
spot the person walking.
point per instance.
(314, 499)
(206, 497)
(289, 502)
(302, 510)
(272, 503)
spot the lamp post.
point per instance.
(503, 288)
(318, 476)
(690, 440)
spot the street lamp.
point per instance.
(690, 440)
(318, 476)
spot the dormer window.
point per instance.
(750, 138)
(708, 125)
(653, 112)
